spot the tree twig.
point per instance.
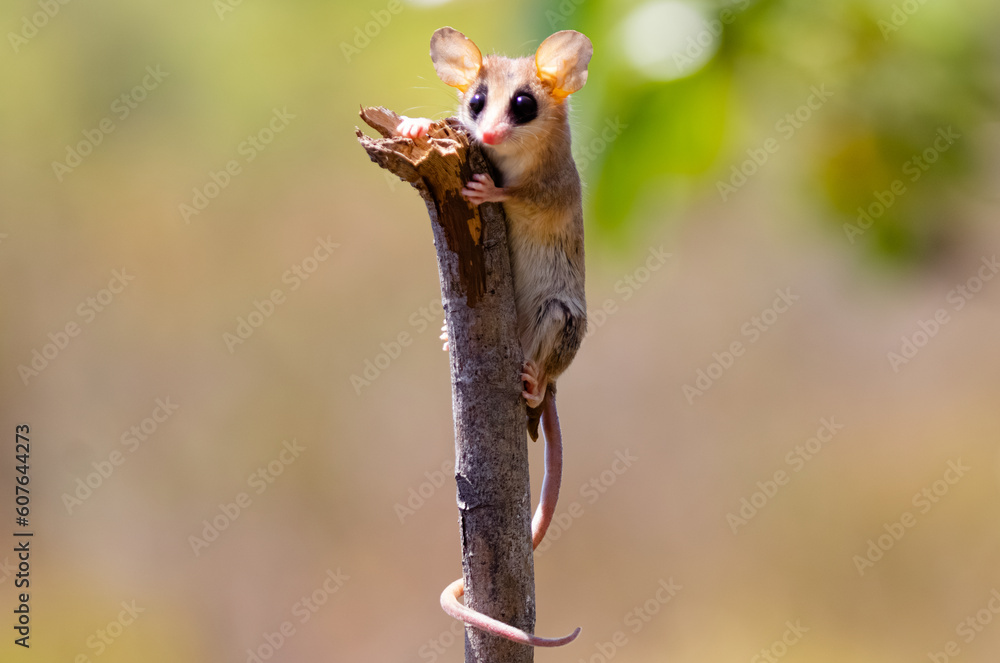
(490, 443)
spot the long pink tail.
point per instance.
(553, 471)
(450, 602)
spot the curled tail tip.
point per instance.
(556, 642)
(451, 605)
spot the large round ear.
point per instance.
(456, 59)
(562, 61)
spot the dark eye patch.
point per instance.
(478, 101)
(523, 107)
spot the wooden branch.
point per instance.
(491, 451)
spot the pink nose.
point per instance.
(494, 136)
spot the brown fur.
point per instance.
(544, 211)
(542, 198)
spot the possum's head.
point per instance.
(512, 104)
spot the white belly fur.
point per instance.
(541, 273)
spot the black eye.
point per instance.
(477, 103)
(524, 108)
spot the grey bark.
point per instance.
(491, 451)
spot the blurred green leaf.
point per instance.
(685, 117)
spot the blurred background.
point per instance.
(220, 321)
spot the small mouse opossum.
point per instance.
(517, 109)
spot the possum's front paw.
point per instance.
(481, 189)
(413, 127)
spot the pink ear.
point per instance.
(456, 59)
(562, 61)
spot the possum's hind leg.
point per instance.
(555, 336)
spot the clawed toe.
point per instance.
(481, 189)
(535, 391)
(531, 400)
(413, 127)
